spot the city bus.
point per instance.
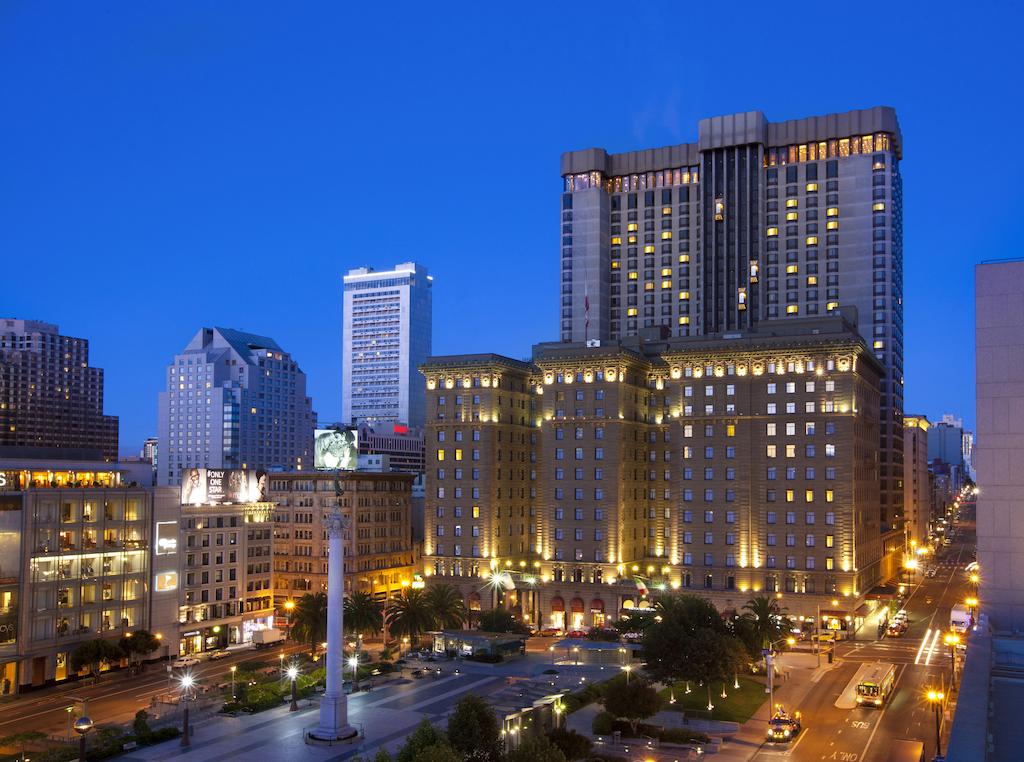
(876, 685)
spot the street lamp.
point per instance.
(187, 683)
(233, 670)
(769, 663)
(627, 668)
(293, 675)
(280, 664)
(354, 663)
(935, 699)
(82, 726)
(405, 646)
(552, 650)
(289, 607)
(952, 640)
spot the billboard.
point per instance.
(215, 486)
(166, 538)
(335, 449)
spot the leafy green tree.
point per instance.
(425, 736)
(363, 615)
(501, 620)
(410, 615)
(602, 634)
(634, 701)
(92, 653)
(766, 621)
(447, 606)
(382, 756)
(572, 744)
(438, 753)
(309, 620)
(535, 748)
(139, 643)
(473, 730)
(23, 740)
(691, 642)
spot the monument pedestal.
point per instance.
(333, 727)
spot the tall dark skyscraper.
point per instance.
(755, 221)
(49, 395)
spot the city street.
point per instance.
(116, 697)
(922, 661)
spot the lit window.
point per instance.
(648, 286)
(649, 248)
(878, 206)
(792, 309)
(666, 284)
(812, 240)
(616, 240)
(809, 496)
(792, 216)
(792, 269)
(812, 187)
(666, 235)
(879, 344)
(440, 454)
(684, 320)
(832, 211)
(615, 265)
(831, 306)
(632, 275)
(792, 203)
(773, 232)
(631, 227)
(684, 295)
(790, 495)
(666, 272)
(832, 225)
(458, 454)
(684, 258)
(812, 280)
(631, 312)
(719, 210)
(730, 430)
(631, 239)
(666, 211)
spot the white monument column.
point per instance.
(334, 727)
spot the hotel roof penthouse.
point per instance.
(728, 465)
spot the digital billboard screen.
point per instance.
(335, 449)
(215, 486)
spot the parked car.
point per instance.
(548, 632)
(218, 655)
(184, 662)
(576, 634)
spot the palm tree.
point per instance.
(309, 620)
(410, 615)
(362, 614)
(447, 606)
(766, 620)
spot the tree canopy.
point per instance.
(309, 620)
(500, 620)
(447, 606)
(363, 615)
(634, 701)
(691, 642)
(473, 730)
(92, 653)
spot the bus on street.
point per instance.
(876, 685)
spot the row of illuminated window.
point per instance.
(810, 450)
(829, 149)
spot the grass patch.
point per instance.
(739, 705)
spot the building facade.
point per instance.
(999, 341)
(213, 567)
(380, 556)
(755, 221)
(74, 564)
(724, 466)
(49, 394)
(386, 334)
(917, 486)
(950, 443)
(234, 400)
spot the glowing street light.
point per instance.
(627, 669)
(187, 684)
(82, 726)
(233, 670)
(935, 698)
(293, 675)
(353, 662)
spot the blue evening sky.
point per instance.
(169, 165)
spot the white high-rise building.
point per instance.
(387, 325)
(234, 400)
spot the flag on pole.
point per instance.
(640, 586)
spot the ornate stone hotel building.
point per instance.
(727, 465)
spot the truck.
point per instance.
(959, 618)
(267, 637)
(902, 750)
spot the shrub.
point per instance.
(682, 735)
(603, 724)
(572, 744)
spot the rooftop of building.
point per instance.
(651, 348)
(750, 127)
(241, 341)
